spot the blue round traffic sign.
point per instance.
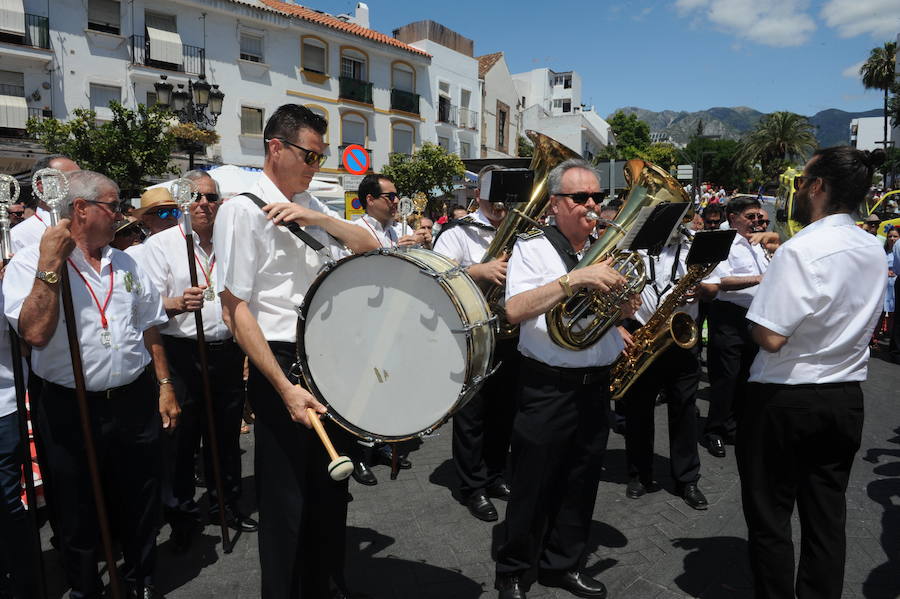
(355, 159)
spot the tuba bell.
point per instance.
(581, 320)
(547, 154)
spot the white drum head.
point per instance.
(380, 348)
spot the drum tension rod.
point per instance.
(475, 325)
(440, 276)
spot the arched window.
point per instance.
(403, 77)
(354, 64)
(354, 129)
(315, 55)
(403, 138)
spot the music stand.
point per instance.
(653, 226)
(709, 247)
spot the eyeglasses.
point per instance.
(581, 197)
(113, 206)
(713, 221)
(763, 221)
(310, 158)
(756, 216)
(210, 197)
(391, 196)
(799, 180)
(165, 213)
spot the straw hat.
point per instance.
(872, 218)
(125, 223)
(152, 198)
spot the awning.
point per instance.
(12, 17)
(165, 46)
(13, 112)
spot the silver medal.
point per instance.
(105, 338)
(209, 294)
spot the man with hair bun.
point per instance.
(801, 426)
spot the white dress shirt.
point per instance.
(164, 258)
(744, 260)
(824, 291)
(134, 306)
(466, 244)
(30, 230)
(265, 265)
(535, 262)
(386, 237)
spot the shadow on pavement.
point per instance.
(884, 580)
(390, 577)
(445, 476)
(715, 568)
(176, 570)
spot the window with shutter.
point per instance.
(251, 47)
(251, 121)
(314, 55)
(104, 15)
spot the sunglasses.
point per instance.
(763, 221)
(581, 197)
(167, 212)
(759, 216)
(310, 158)
(799, 180)
(118, 207)
(210, 197)
(391, 196)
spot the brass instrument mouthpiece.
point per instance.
(591, 215)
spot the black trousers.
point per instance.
(796, 444)
(729, 356)
(126, 431)
(894, 348)
(302, 511)
(559, 440)
(17, 555)
(677, 372)
(482, 428)
(225, 373)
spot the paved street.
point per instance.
(409, 538)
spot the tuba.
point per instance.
(547, 154)
(581, 320)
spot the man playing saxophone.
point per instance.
(561, 425)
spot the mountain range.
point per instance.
(832, 125)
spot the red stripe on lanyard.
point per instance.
(103, 322)
(197, 258)
(386, 232)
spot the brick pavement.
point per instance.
(408, 539)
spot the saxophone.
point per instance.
(665, 327)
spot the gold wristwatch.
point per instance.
(48, 276)
(564, 283)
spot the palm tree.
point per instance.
(878, 73)
(778, 137)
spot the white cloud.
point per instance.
(852, 71)
(878, 18)
(767, 22)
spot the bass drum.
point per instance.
(393, 342)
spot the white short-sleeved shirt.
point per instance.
(535, 262)
(264, 264)
(824, 291)
(30, 230)
(134, 307)
(466, 244)
(386, 237)
(137, 251)
(165, 260)
(744, 260)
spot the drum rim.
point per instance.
(465, 394)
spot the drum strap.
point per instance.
(561, 245)
(294, 228)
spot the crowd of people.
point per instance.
(789, 322)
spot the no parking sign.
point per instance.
(355, 159)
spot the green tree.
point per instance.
(664, 155)
(778, 139)
(878, 73)
(630, 131)
(526, 150)
(431, 168)
(717, 159)
(894, 105)
(131, 147)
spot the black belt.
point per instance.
(112, 393)
(584, 376)
(210, 345)
(786, 387)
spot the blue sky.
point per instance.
(796, 55)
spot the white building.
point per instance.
(867, 133)
(261, 53)
(451, 120)
(552, 105)
(501, 108)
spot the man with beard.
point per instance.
(812, 316)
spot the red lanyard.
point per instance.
(199, 263)
(386, 232)
(103, 322)
(38, 216)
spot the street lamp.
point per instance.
(200, 105)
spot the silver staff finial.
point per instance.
(184, 192)
(9, 190)
(53, 186)
(405, 208)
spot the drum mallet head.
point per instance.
(340, 468)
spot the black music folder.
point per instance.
(710, 246)
(653, 227)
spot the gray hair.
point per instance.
(87, 185)
(196, 175)
(44, 162)
(554, 179)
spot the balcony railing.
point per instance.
(37, 33)
(343, 147)
(39, 114)
(193, 61)
(355, 89)
(457, 116)
(8, 89)
(405, 101)
(468, 119)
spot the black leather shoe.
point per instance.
(235, 520)
(499, 490)
(363, 475)
(715, 445)
(383, 456)
(577, 583)
(481, 507)
(509, 587)
(635, 489)
(145, 592)
(181, 540)
(694, 497)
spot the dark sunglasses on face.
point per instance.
(210, 197)
(799, 180)
(167, 212)
(113, 206)
(756, 216)
(581, 197)
(390, 196)
(310, 157)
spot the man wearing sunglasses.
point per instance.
(167, 266)
(731, 350)
(262, 274)
(561, 424)
(380, 200)
(33, 227)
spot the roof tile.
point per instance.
(487, 62)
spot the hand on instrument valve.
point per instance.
(601, 276)
(631, 305)
(169, 410)
(290, 212)
(491, 272)
(626, 337)
(192, 299)
(56, 245)
(297, 400)
(691, 296)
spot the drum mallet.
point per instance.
(341, 466)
